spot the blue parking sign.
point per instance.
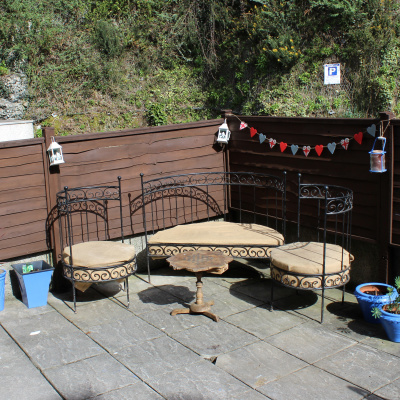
(332, 74)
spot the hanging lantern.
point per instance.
(223, 133)
(377, 157)
(55, 153)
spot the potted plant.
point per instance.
(389, 314)
(370, 295)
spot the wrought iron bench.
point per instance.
(321, 257)
(241, 214)
(88, 218)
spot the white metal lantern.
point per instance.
(223, 133)
(377, 157)
(55, 153)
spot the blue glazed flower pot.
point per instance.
(370, 295)
(391, 324)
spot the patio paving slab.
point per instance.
(308, 304)
(156, 357)
(214, 339)
(310, 342)
(137, 391)
(259, 363)
(163, 320)
(90, 377)
(251, 395)
(118, 334)
(199, 381)
(17, 310)
(114, 288)
(312, 383)
(165, 276)
(47, 350)
(8, 348)
(187, 290)
(143, 352)
(381, 342)
(363, 366)
(49, 322)
(21, 380)
(260, 289)
(225, 304)
(262, 322)
(390, 391)
(152, 299)
(94, 313)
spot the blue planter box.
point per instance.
(34, 285)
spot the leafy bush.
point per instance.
(156, 115)
(107, 39)
(191, 58)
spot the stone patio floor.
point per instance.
(106, 351)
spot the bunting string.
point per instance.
(319, 148)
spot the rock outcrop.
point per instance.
(14, 94)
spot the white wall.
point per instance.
(15, 130)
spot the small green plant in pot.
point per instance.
(389, 314)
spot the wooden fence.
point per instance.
(28, 185)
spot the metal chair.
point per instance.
(320, 258)
(88, 218)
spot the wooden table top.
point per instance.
(200, 260)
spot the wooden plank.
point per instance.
(24, 181)
(78, 145)
(19, 193)
(26, 203)
(29, 168)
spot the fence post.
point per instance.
(52, 181)
(386, 197)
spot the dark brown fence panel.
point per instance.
(98, 159)
(23, 205)
(395, 231)
(348, 168)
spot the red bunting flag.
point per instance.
(358, 137)
(283, 146)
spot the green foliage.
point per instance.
(107, 39)
(3, 68)
(156, 115)
(188, 59)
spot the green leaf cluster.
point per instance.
(394, 305)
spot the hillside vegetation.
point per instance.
(96, 65)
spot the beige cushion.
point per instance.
(99, 254)
(219, 233)
(307, 257)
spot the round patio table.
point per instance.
(199, 261)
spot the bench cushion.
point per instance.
(206, 235)
(307, 258)
(99, 254)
